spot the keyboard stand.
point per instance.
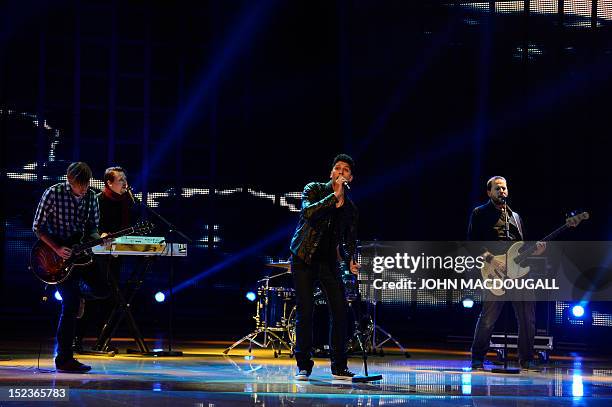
(122, 309)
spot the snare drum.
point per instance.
(273, 306)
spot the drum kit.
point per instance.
(273, 308)
(275, 313)
(275, 317)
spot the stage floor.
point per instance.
(206, 377)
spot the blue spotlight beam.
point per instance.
(242, 33)
(505, 119)
(413, 74)
(279, 234)
(480, 129)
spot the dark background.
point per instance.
(431, 99)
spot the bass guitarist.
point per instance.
(69, 212)
(495, 223)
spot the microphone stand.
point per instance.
(171, 229)
(366, 377)
(505, 369)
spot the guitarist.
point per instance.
(65, 210)
(495, 221)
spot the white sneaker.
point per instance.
(302, 375)
(342, 374)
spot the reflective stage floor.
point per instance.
(206, 377)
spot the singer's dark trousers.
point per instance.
(525, 317)
(304, 278)
(88, 282)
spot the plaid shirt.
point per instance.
(61, 215)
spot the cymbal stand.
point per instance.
(377, 347)
(270, 335)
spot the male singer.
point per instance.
(325, 234)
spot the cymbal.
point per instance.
(371, 245)
(281, 265)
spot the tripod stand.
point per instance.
(272, 335)
(377, 347)
(386, 337)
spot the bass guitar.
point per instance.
(517, 254)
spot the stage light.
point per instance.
(251, 296)
(160, 297)
(466, 383)
(578, 311)
(577, 385)
(468, 303)
(57, 296)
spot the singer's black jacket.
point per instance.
(318, 202)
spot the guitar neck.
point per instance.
(532, 247)
(554, 233)
(96, 242)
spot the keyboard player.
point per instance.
(118, 210)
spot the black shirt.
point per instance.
(328, 243)
(487, 225)
(500, 226)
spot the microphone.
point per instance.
(503, 199)
(129, 191)
(346, 185)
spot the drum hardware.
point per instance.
(375, 346)
(363, 326)
(271, 317)
(275, 319)
(281, 265)
(361, 341)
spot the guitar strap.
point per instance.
(518, 224)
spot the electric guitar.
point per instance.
(50, 268)
(518, 253)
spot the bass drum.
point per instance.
(273, 305)
(320, 336)
(291, 329)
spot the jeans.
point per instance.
(88, 282)
(97, 310)
(525, 317)
(304, 278)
